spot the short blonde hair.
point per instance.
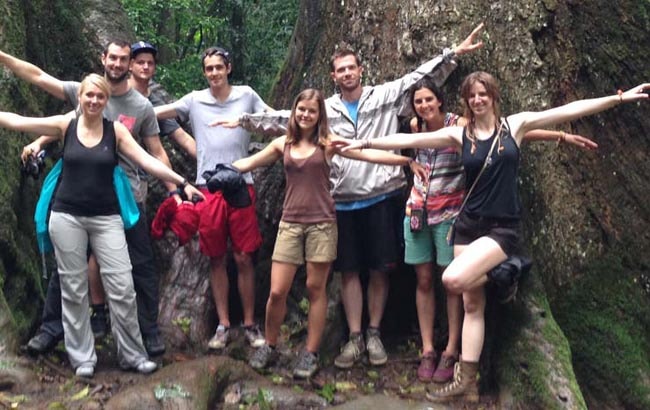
(96, 80)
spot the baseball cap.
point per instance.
(141, 47)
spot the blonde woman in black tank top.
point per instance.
(307, 231)
(89, 225)
(487, 229)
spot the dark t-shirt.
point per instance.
(495, 194)
(86, 185)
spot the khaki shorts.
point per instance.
(298, 242)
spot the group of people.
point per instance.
(343, 207)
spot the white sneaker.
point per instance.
(146, 367)
(85, 370)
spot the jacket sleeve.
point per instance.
(438, 68)
(268, 123)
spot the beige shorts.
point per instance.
(298, 242)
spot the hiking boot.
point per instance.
(254, 335)
(351, 352)
(99, 321)
(42, 342)
(263, 357)
(427, 367)
(463, 387)
(146, 367)
(220, 338)
(376, 352)
(445, 370)
(306, 366)
(85, 370)
(154, 344)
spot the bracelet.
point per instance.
(182, 185)
(561, 138)
(172, 193)
(365, 144)
(620, 96)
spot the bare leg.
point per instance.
(425, 304)
(219, 284)
(454, 320)
(377, 296)
(282, 275)
(352, 298)
(246, 285)
(467, 275)
(95, 282)
(317, 274)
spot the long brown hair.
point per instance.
(321, 132)
(492, 88)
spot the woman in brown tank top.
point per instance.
(307, 231)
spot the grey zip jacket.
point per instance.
(377, 117)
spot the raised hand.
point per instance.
(470, 44)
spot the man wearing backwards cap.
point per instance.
(136, 113)
(143, 69)
(219, 220)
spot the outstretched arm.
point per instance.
(164, 112)
(444, 137)
(267, 156)
(380, 157)
(34, 75)
(526, 121)
(127, 146)
(54, 125)
(560, 136)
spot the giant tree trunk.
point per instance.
(577, 336)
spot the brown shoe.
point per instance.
(463, 387)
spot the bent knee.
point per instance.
(453, 283)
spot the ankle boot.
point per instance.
(463, 386)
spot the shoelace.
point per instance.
(454, 384)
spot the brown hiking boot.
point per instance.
(463, 387)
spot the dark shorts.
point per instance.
(369, 238)
(504, 232)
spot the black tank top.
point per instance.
(86, 184)
(495, 194)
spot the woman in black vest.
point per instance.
(487, 229)
(85, 210)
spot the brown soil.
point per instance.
(59, 386)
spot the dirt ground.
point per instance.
(59, 389)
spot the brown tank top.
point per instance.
(307, 197)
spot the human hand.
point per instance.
(30, 150)
(639, 92)
(225, 123)
(344, 144)
(470, 44)
(419, 170)
(580, 141)
(193, 193)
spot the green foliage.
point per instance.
(256, 33)
(327, 392)
(611, 306)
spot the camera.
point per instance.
(34, 165)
